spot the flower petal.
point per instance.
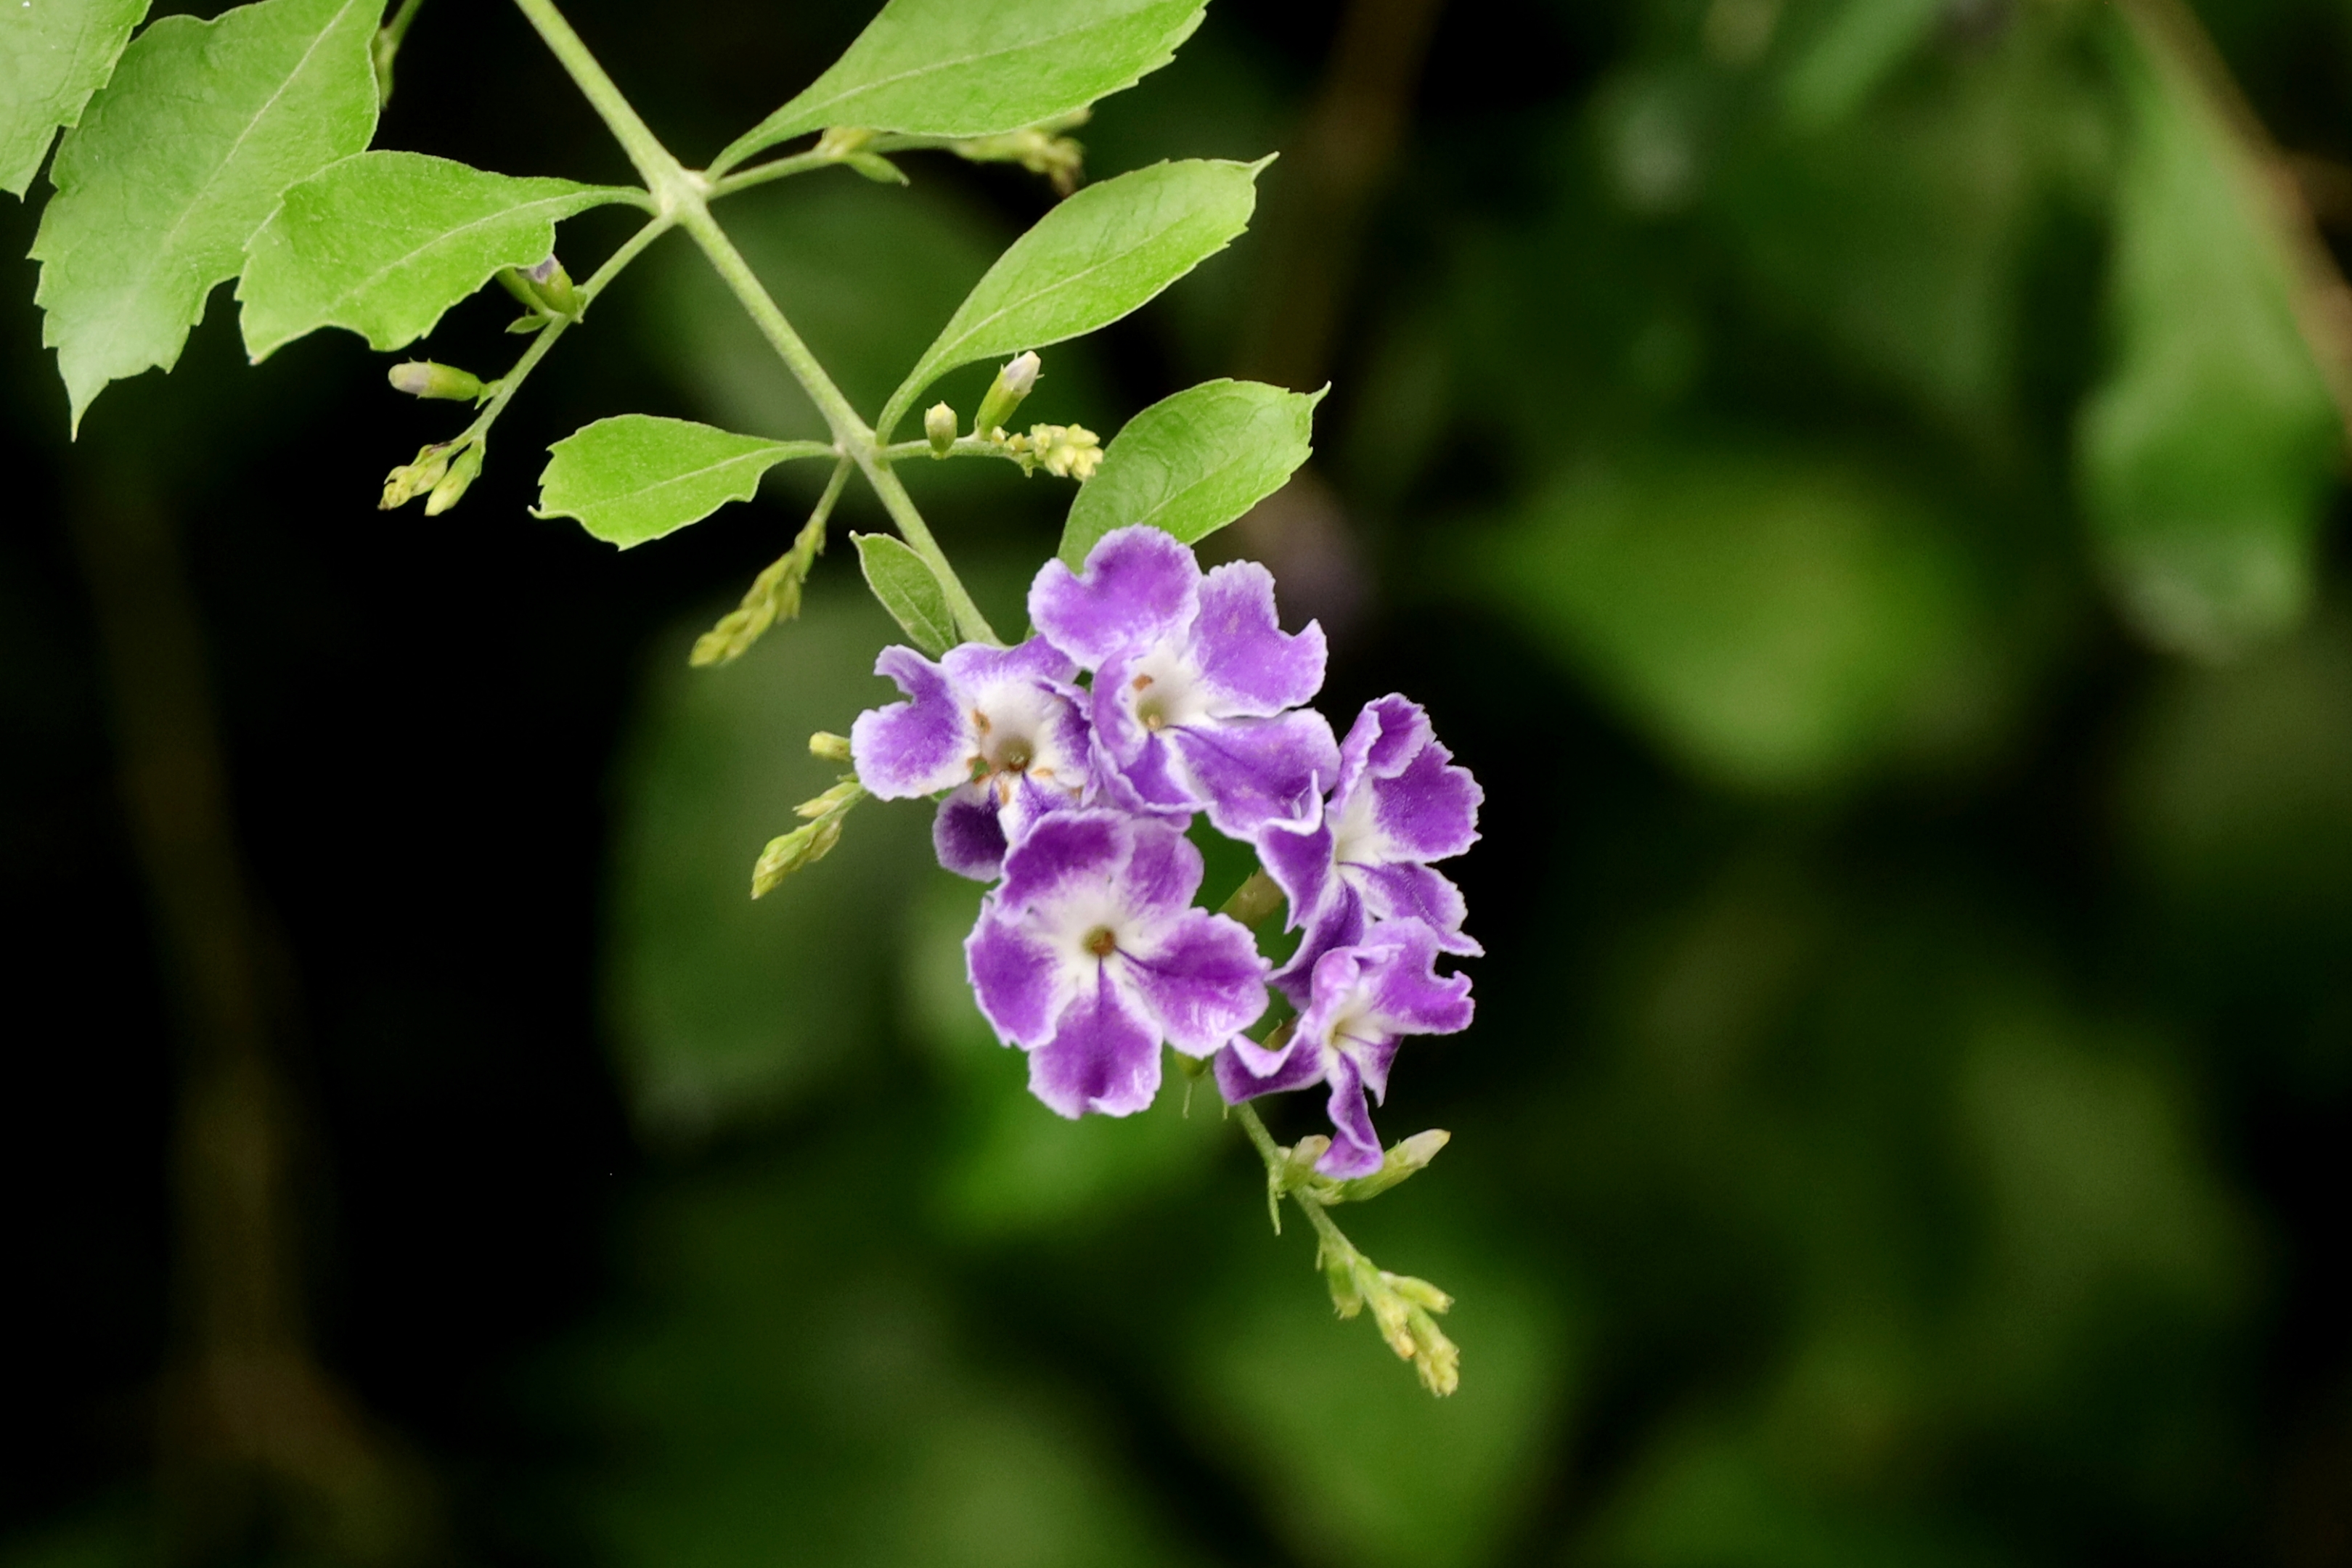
(1201, 975)
(1297, 855)
(1255, 667)
(968, 834)
(1407, 993)
(1101, 1057)
(1355, 1148)
(976, 666)
(1063, 850)
(918, 747)
(1296, 1065)
(1162, 872)
(1424, 808)
(1022, 984)
(1416, 893)
(1341, 922)
(1248, 771)
(1140, 585)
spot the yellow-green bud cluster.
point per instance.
(1065, 451)
(441, 473)
(805, 846)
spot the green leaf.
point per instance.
(636, 476)
(53, 55)
(179, 160)
(909, 590)
(1192, 463)
(2209, 455)
(383, 243)
(951, 68)
(1104, 252)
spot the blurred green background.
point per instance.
(1856, 480)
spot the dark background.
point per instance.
(1913, 1052)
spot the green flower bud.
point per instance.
(826, 746)
(423, 378)
(1419, 1293)
(940, 428)
(463, 470)
(554, 287)
(847, 792)
(1401, 1160)
(410, 480)
(1014, 382)
(876, 168)
(791, 852)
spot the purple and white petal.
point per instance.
(1422, 893)
(1248, 771)
(1065, 853)
(1250, 667)
(918, 747)
(1140, 585)
(1401, 982)
(1162, 872)
(1400, 796)
(1022, 984)
(967, 835)
(1245, 1070)
(1355, 1148)
(1342, 922)
(979, 669)
(1101, 1058)
(1202, 976)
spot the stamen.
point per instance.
(1101, 942)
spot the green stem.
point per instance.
(683, 195)
(512, 383)
(1276, 1162)
(395, 31)
(970, 622)
(965, 446)
(816, 158)
(847, 429)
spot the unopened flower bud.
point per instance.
(940, 428)
(423, 378)
(1014, 382)
(791, 852)
(410, 480)
(847, 792)
(876, 168)
(1420, 1292)
(826, 746)
(463, 470)
(553, 286)
(1401, 1160)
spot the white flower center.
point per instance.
(1164, 690)
(1356, 835)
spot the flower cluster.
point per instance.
(1070, 769)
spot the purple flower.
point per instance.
(1398, 802)
(1090, 953)
(1364, 999)
(1196, 685)
(994, 726)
